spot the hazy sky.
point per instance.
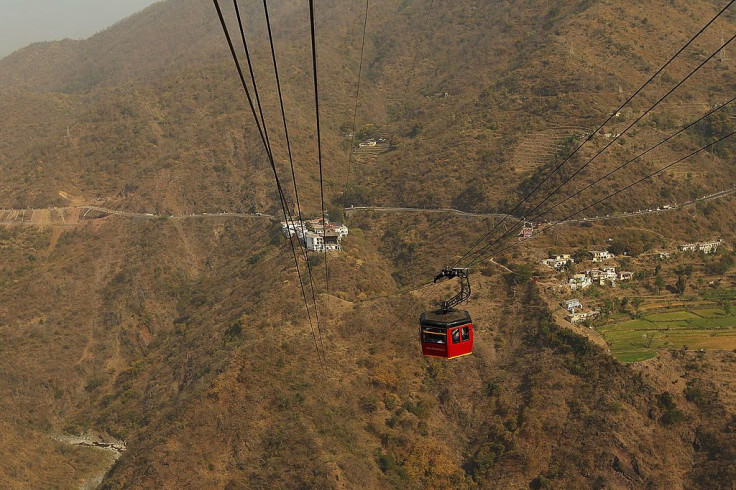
(23, 22)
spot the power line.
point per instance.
(266, 145)
(610, 117)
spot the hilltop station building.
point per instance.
(316, 235)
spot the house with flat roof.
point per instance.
(579, 281)
(317, 235)
(571, 304)
(705, 247)
(601, 255)
(581, 316)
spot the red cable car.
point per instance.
(448, 333)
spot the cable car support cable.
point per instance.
(515, 228)
(319, 138)
(613, 194)
(261, 132)
(357, 89)
(293, 173)
(670, 137)
(290, 219)
(613, 140)
(610, 117)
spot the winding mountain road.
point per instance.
(659, 209)
(61, 216)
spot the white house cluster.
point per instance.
(316, 235)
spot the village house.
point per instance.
(600, 276)
(625, 276)
(557, 262)
(579, 281)
(663, 255)
(527, 231)
(705, 247)
(317, 227)
(571, 304)
(291, 228)
(581, 316)
(600, 256)
(316, 235)
(316, 242)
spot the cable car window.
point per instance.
(433, 335)
(456, 336)
(466, 333)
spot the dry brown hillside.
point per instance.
(181, 335)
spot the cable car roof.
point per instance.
(447, 319)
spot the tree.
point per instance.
(472, 198)
(617, 248)
(684, 270)
(521, 275)
(726, 305)
(659, 283)
(369, 131)
(570, 267)
(336, 213)
(581, 254)
(636, 303)
(354, 195)
(680, 285)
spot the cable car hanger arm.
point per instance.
(464, 294)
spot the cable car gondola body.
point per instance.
(447, 333)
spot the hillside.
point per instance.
(102, 106)
(180, 334)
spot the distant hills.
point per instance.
(156, 95)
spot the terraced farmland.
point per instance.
(638, 340)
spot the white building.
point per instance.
(581, 316)
(571, 304)
(600, 276)
(600, 256)
(316, 236)
(316, 242)
(291, 228)
(625, 276)
(557, 262)
(341, 230)
(579, 281)
(705, 247)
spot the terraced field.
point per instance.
(638, 340)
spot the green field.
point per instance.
(638, 340)
(670, 317)
(710, 312)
